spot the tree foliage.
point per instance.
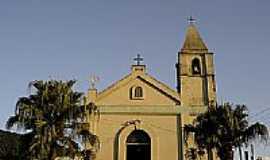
(13, 145)
(223, 128)
(57, 116)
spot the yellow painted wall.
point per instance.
(164, 130)
(121, 96)
(161, 129)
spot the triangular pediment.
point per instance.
(122, 92)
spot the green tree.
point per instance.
(223, 128)
(57, 116)
(13, 145)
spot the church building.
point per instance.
(142, 118)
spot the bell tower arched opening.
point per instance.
(196, 66)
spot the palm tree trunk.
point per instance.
(226, 152)
(209, 154)
(240, 152)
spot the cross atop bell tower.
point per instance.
(191, 20)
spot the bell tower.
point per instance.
(195, 71)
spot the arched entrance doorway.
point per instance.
(138, 146)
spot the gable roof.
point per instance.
(146, 78)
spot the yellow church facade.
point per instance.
(142, 118)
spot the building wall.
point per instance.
(194, 90)
(163, 131)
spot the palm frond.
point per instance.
(256, 130)
(11, 121)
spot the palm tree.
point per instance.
(52, 113)
(224, 128)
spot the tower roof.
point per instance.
(193, 40)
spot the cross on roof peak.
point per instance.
(138, 59)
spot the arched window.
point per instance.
(138, 146)
(131, 93)
(138, 92)
(196, 66)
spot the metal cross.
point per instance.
(138, 59)
(191, 20)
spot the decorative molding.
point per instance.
(150, 110)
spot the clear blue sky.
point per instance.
(68, 39)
